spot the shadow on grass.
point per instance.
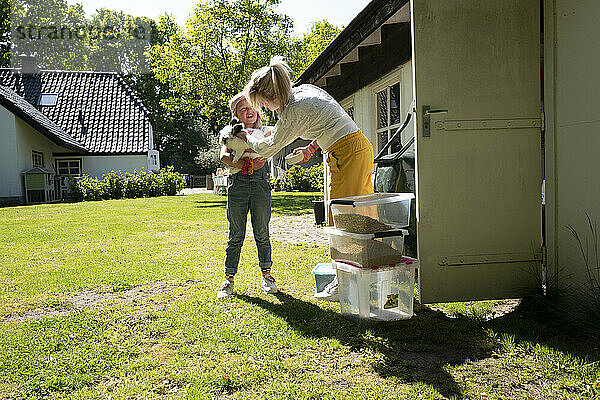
(211, 203)
(281, 204)
(419, 349)
(535, 321)
(414, 350)
(292, 204)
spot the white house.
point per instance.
(505, 97)
(69, 124)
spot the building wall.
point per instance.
(10, 182)
(365, 108)
(96, 166)
(364, 101)
(572, 99)
(17, 142)
(29, 140)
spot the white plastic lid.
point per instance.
(375, 198)
(294, 158)
(365, 236)
(323, 269)
(407, 262)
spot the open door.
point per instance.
(478, 178)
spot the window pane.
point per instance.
(37, 159)
(74, 164)
(395, 104)
(63, 171)
(351, 112)
(382, 138)
(48, 99)
(382, 109)
(74, 170)
(397, 146)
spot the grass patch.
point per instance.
(173, 339)
(293, 203)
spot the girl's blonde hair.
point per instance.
(270, 83)
(233, 103)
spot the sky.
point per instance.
(303, 12)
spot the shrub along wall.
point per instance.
(301, 179)
(118, 185)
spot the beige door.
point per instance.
(479, 163)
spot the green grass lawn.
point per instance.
(161, 333)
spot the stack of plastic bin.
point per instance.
(382, 293)
(375, 280)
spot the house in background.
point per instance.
(489, 81)
(367, 69)
(67, 124)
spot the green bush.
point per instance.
(118, 185)
(300, 179)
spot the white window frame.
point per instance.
(68, 160)
(35, 154)
(385, 84)
(347, 104)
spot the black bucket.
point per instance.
(319, 207)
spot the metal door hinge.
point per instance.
(483, 124)
(450, 261)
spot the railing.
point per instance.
(379, 159)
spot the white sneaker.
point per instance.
(268, 283)
(225, 290)
(330, 292)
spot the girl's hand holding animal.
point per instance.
(259, 162)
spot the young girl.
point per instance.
(311, 113)
(248, 190)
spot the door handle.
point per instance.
(427, 111)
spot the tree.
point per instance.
(5, 53)
(47, 29)
(210, 62)
(312, 44)
(61, 37)
(119, 41)
(180, 134)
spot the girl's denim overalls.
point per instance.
(248, 193)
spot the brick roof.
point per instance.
(97, 109)
(28, 113)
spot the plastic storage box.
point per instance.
(372, 213)
(324, 274)
(378, 293)
(366, 250)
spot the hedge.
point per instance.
(118, 185)
(300, 179)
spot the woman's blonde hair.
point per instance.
(270, 83)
